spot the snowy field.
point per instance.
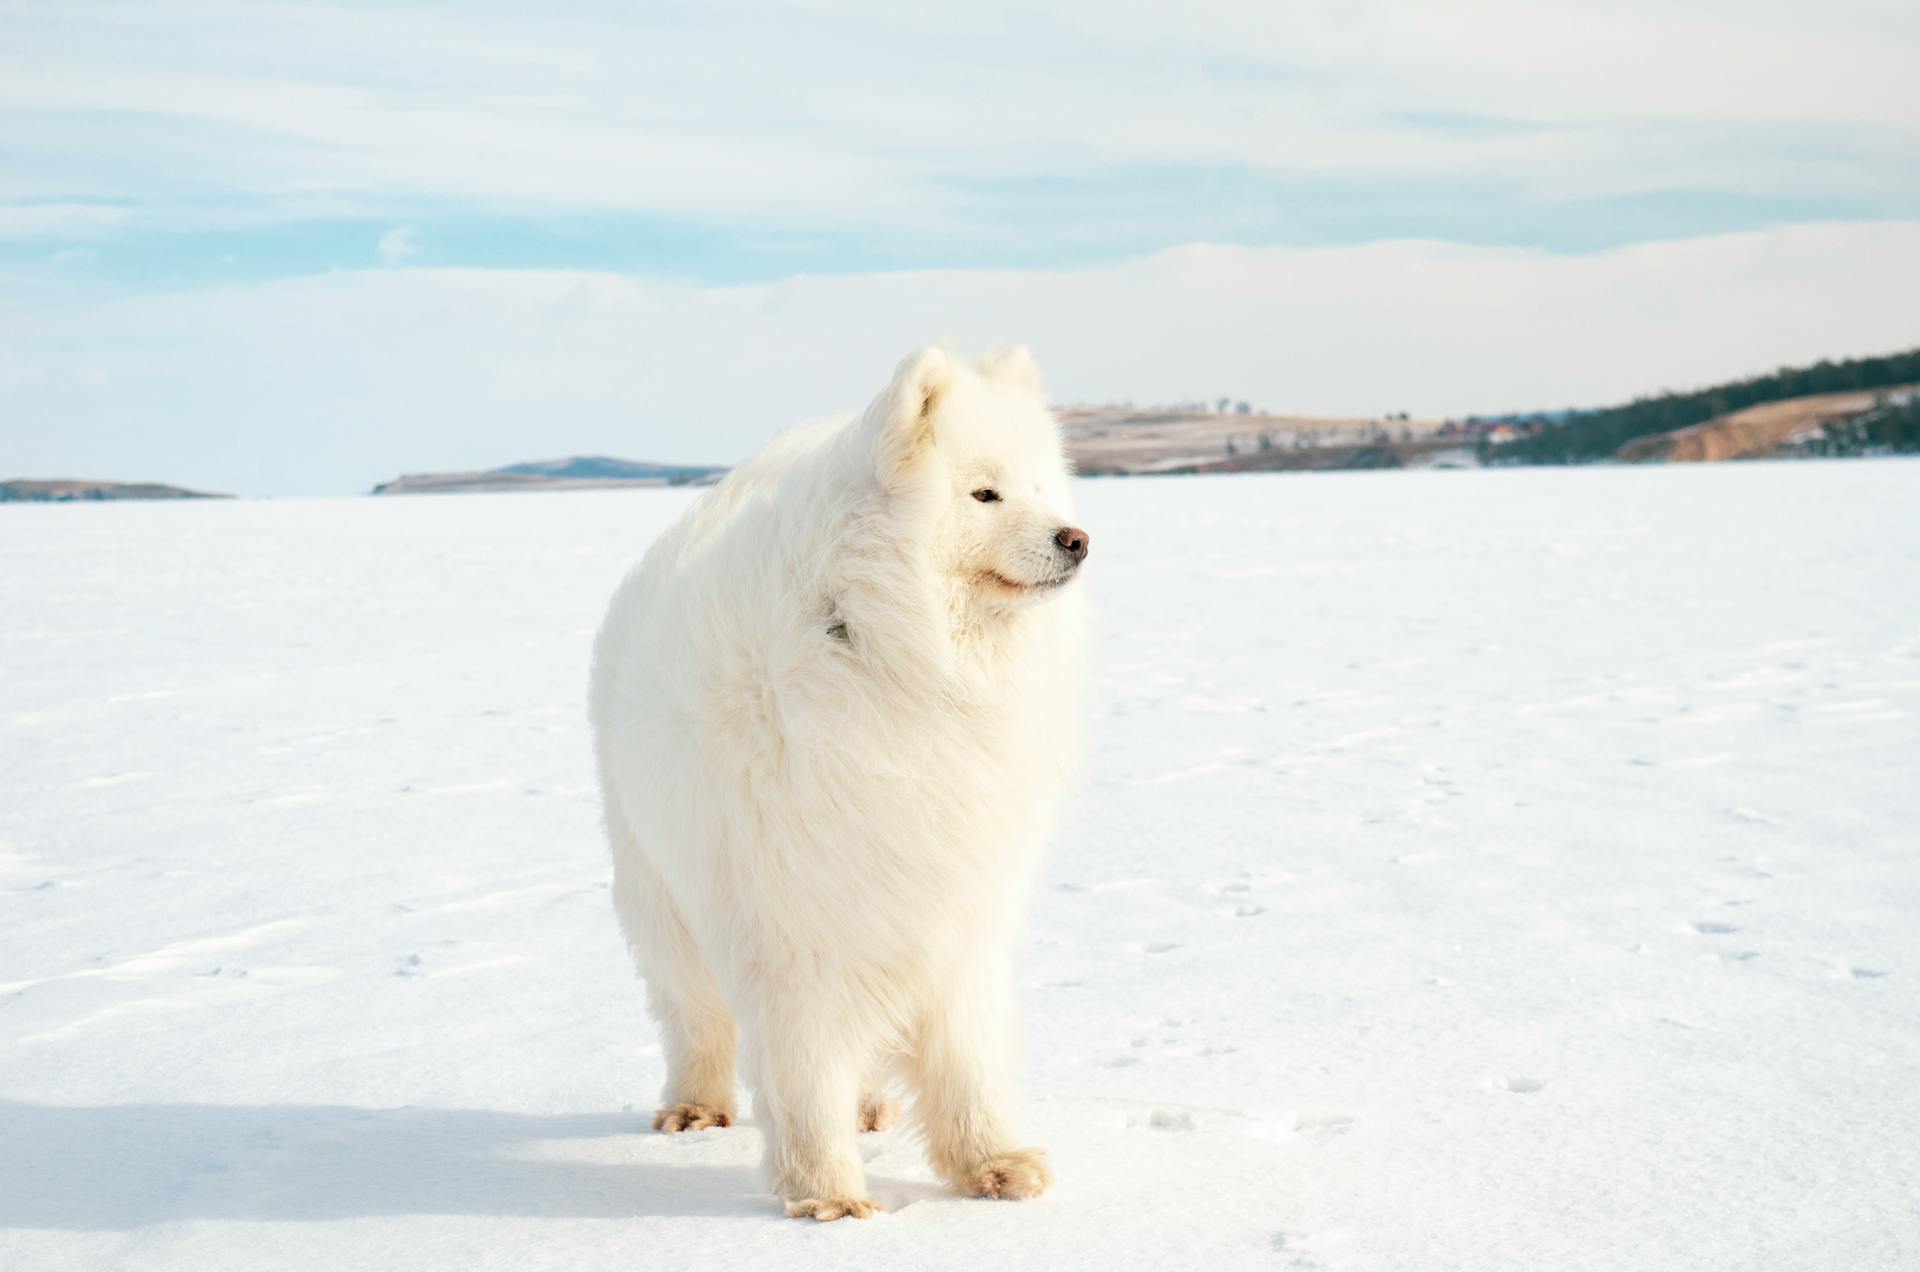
(1499, 870)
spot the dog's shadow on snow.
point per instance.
(125, 1166)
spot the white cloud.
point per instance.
(66, 221)
(335, 381)
(396, 246)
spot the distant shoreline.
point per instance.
(75, 490)
(1863, 407)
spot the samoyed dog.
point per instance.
(832, 707)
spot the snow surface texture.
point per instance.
(1472, 870)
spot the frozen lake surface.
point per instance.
(1492, 870)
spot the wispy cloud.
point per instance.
(34, 220)
(397, 246)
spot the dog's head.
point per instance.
(974, 455)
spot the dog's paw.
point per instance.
(877, 1112)
(690, 1117)
(827, 1209)
(1014, 1175)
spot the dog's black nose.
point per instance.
(1073, 541)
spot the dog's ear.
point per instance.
(913, 402)
(1012, 365)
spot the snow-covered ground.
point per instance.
(1500, 870)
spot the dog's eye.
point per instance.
(985, 495)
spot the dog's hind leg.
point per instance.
(697, 1032)
(878, 1111)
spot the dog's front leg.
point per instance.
(809, 1081)
(963, 1069)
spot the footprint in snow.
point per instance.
(1301, 1252)
(1282, 1243)
(1750, 816)
(1867, 973)
(1163, 947)
(1707, 927)
(1323, 1125)
(1523, 1085)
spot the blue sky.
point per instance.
(182, 164)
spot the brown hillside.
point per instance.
(1755, 431)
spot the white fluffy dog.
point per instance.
(832, 707)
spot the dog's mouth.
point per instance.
(1013, 587)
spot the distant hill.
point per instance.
(1792, 424)
(1581, 437)
(1126, 441)
(575, 472)
(66, 490)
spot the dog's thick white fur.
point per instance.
(832, 707)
